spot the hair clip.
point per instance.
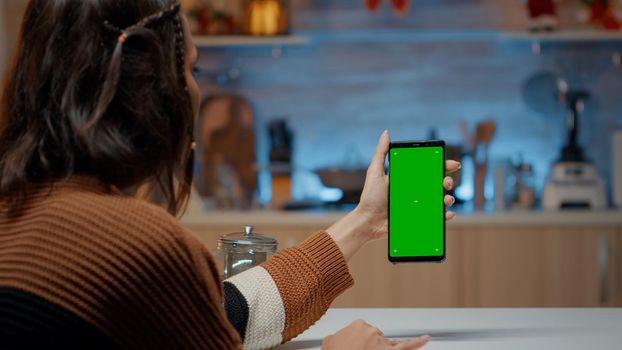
(122, 38)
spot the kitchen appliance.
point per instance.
(239, 251)
(574, 185)
(617, 168)
(281, 141)
(574, 181)
(281, 147)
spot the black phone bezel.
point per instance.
(417, 144)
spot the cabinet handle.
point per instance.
(603, 269)
(617, 280)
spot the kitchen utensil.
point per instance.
(243, 250)
(504, 177)
(484, 133)
(455, 152)
(349, 176)
(469, 140)
(479, 198)
(524, 189)
(227, 151)
(348, 180)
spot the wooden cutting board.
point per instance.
(227, 150)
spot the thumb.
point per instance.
(376, 167)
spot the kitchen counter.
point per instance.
(511, 259)
(508, 329)
(302, 220)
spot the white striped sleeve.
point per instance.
(266, 313)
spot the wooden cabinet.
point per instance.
(613, 273)
(536, 267)
(497, 267)
(488, 265)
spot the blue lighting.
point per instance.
(465, 190)
(329, 194)
(344, 92)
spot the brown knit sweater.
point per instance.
(132, 272)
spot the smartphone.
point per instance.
(416, 205)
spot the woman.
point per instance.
(99, 101)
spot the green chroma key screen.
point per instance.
(416, 209)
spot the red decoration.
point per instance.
(542, 15)
(372, 5)
(602, 15)
(597, 11)
(539, 8)
(610, 22)
(400, 6)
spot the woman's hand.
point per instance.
(369, 220)
(375, 194)
(360, 335)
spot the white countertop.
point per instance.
(301, 219)
(466, 329)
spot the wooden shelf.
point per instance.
(215, 41)
(402, 35)
(564, 36)
(408, 35)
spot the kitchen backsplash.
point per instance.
(339, 95)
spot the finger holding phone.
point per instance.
(370, 219)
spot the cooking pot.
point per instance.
(348, 180)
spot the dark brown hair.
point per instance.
(79, 101)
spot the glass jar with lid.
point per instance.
(242, 250)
